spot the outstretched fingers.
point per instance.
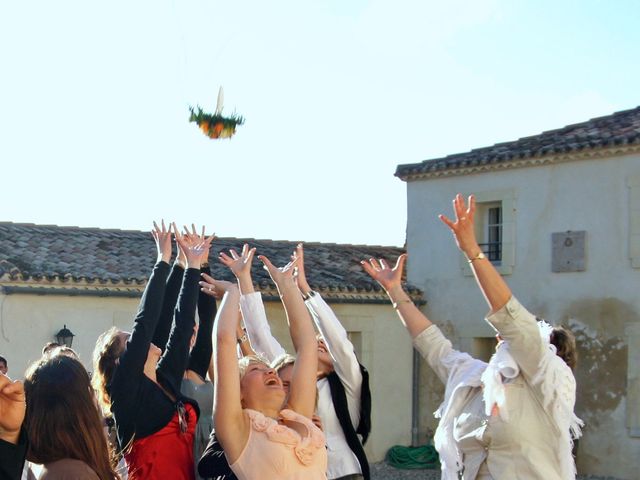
(449, 223)
(248, 256)
(369, 269)
(400, 263)
(268, 266)
(225, 259)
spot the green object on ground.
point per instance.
(411, 458)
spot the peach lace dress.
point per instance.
(277, 452)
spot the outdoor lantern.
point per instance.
(65, 337)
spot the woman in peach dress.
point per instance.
(264, 434)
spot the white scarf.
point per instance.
(556, 383)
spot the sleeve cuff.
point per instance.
(247, 297)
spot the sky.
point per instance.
(94, 100)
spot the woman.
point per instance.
(63, 423)
(194, 384)
(343, 385)
(511, 418)
(140, 385)
(262, 436)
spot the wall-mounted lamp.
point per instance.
(65, 337)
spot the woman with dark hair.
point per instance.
(139, 384)
(512, 417)
(62, 422)
(194, 383)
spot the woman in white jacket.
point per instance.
(509, 419)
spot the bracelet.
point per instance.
(397, 304)
(479, 256)
(242, 339)
(204, 265)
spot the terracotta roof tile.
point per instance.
(48, 253)
(620, 128)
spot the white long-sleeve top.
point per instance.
(342, 460)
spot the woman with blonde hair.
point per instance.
(264, 433)
(62, 422)
(512, 417)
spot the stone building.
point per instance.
(559, 215)
(91, 279)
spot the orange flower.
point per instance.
(204, 126)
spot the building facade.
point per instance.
(559, 215)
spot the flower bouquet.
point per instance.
(216, 125)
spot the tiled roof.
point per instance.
(621, 129)
(46, 255)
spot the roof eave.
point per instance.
(403, 171)
(270, 294)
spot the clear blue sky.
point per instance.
(94, 95)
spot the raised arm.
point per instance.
(390, 279)
(200, 356)
(302, 392)
(132, 361)
(232, 428)
(427, 337)
(345, 362)
(173, 363)
(510, 319)
(491, 283)
(171, 292)
(251, 306)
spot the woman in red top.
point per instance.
(139, 384)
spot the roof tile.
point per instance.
(620, 128)
(73, 254)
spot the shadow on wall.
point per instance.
(599, 328)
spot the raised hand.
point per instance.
(215, 288)
(193, 246)
(181, 259)
(193, 233)
(281, 276)
(301, 276)
(162, 236)
(463, 228)
(391, 280)
(388, 278)
(239, 264)
(12, 409)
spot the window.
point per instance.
(491, 243)
(495, 229)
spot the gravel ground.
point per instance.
(382, 471)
